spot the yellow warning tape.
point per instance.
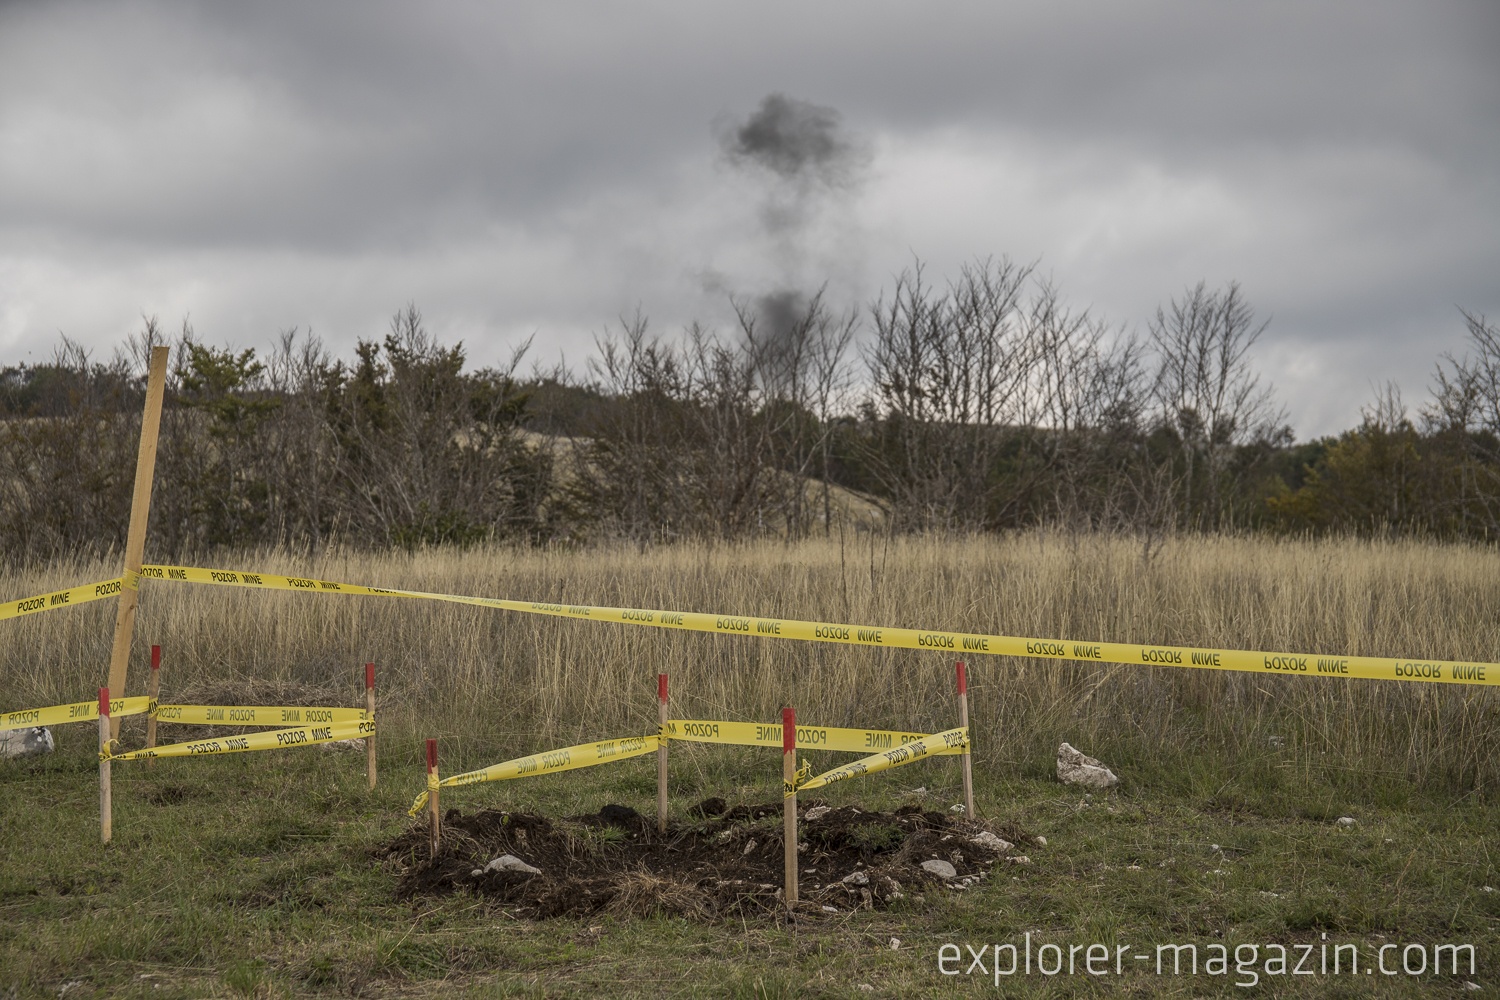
(62, 598)
(956, 643)
(550, 762)
(275, 740)
(754, 734)
(1203, 658)
(78, 711)
(255, 715)
(951, 741)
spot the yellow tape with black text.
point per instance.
(278, 739)
(549, 762)
(78, 711)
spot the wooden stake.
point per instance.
(963, 721)
(789, 802)
(106, 805)
(153, 692)
(435, 818)
(370, 714)
(661, 754)
(140, 512)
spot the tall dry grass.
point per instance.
(502, 683)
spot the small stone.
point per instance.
(815, 813)
(919, 791)
(1488, 888)
(895, 944)
(1214, 847)
(1076, 768)
(1041, 841)
(893, 897)
(1346, 822)
(958, 808)
(1134, 868)
(1270, 895)
(1472, 986)
(941, 869)
(1019, 859)
(856, 878)
(988, 840)
(32, 742)
(830, 909)
(749, 846)
(511, 863)
(476, 873)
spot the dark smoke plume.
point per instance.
(798, 141)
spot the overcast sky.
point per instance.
(542, 168)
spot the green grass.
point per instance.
(254, 875)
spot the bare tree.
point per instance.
(1209, 394)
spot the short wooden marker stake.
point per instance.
(789, 801)
(370, 715)
(963, 721)
(661, 754)
(106, 806)
(435, 817)
(153, 692)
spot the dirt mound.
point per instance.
(728, 863)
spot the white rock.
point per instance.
(958, 808)
(1346, 821)
(1019, 859)
(1075, 768)
(1472, 986)
(1041, 841)
(816, 812)
(856, 878)
(749, 846)
(1488, 888)
(354, 744)
(830, 909)
(941, 869)
(511, 863)
(895, 944)
(991, 841)
(866, 988)
(26, 742)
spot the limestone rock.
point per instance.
(511, 863)
(815, 813)
(991, 841)
(1075, 768)
(26, 742)
(941, 869)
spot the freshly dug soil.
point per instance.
(729, 863)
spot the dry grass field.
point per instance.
(1203, 756)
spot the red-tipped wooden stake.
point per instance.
(661, 754)
(370, 715)
(789, 801)
(432, 796)
(106, 806)
(153, 692)
(963, 721)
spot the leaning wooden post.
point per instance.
(370, 715)
(153, 693)
(789, 800)
(106, 806)
(140, 512)
(434, 817)
(661, 754)
(963, 722)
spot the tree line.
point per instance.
(982, 403)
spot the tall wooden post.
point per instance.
(140, 512)
(434, 817)
(661, 754)
(963, 721)
(370, 714)
(153, 693)
(789, 800)
(106, 805)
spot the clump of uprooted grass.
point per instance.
(508, 683)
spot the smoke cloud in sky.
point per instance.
(527, 169)
(812, 167)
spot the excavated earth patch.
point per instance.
(727, 864)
